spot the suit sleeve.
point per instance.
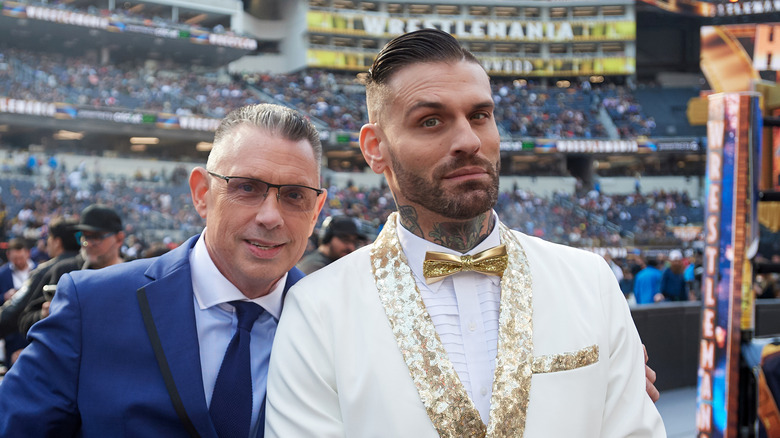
(629, 411)
(302, 392)
(38, 395)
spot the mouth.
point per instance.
(465, 173)
(265, 247)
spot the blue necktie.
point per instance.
(231, 402)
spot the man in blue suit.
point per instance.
(136, 349)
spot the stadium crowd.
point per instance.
(34, 189)
(336, 99)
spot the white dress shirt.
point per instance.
(19, 276)
(216, 323)
(464, 308)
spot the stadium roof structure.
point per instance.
(69, 32)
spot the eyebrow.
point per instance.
(438, 105)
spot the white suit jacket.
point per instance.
(336, 369)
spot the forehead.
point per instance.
(461, 81)
(257, 152)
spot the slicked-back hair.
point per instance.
(420, 46)
(276, 119)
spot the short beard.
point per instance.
(465, 201)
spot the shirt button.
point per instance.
(472, 326)
(484, 391)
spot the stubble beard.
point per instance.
(462, 202)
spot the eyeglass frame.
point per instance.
(84, 240)
(278, 187)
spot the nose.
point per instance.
(466, 139)
(269, 213)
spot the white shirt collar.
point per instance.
(415, 247)
(211, 288)
(15, 270)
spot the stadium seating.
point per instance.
(336, 100)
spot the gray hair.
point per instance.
(276, 119)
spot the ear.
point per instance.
(199, 187)
(371, 138)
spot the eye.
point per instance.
(246, 187)
(430, 123)
(480, 116)
(294, 194)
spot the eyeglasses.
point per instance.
(84, 239)
(252, 192)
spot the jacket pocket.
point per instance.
(553, 363)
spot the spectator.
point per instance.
(627, 286)
(61, 244)
(100, 234)
(340, 237)
(647, 283)
(12, 277)
(673, 284)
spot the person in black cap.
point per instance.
(60, 245)
(100, 235)
(340, 236)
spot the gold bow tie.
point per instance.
(438, 265)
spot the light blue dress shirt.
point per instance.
(216, 323)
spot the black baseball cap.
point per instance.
(344, 226)
(98, 217)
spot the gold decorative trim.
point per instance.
(512, 381)
(553, 363)
(446, 401)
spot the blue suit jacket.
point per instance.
(6, 280)
(91, 369)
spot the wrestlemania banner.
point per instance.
(734, 139)
(358, 24)
(495, 65)
(112, 24)
(379, 25)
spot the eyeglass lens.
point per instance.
(250, 191)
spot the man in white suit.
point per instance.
(450, 324)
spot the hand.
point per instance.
(46, 304)
(650, 380)
(658, 297)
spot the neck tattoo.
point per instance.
(457, 235)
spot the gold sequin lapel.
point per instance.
(450, 409)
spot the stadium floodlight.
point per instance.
(203, 146)
(144, 140)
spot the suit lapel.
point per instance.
(171, 309)
(293, 275)
(170, 304)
